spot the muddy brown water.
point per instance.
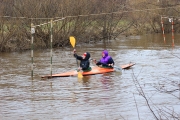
(118, 95)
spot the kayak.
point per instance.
(127, 66)
(95, 70)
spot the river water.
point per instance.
(151, 86)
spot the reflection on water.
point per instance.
(116, 95)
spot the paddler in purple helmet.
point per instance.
(106, 60)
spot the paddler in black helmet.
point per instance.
(84, 61)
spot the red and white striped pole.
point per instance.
(163, 29)
(172, 23)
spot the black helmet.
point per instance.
(87, 55)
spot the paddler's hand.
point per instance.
(74, 51)
(79, 69)
(111, 65)
(95, 61)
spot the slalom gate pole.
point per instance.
(32, 47)
(51, 46)
(172, 23)
(51, 39)
(163, 29)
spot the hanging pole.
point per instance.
(51, 46)
(172, 23)
(32, 47)
(163, 29)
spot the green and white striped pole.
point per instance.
(51, 44)
(32, 47)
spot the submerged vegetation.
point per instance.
(87, 20)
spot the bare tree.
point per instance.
(88, 20)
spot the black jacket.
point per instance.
(84, 63)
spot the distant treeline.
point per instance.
(87, 20)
